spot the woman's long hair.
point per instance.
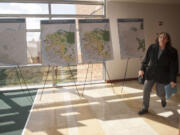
(168, 37)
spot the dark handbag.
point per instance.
(141, 79)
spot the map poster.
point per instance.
(131, 38)
(13, 46)
(95, 40)
(58, 42)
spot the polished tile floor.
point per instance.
(103, 110)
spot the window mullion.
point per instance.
(50, 11)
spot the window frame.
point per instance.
(50, 16)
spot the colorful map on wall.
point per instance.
(58, 42)
(131, 38)
(13, 47)
(95, 40)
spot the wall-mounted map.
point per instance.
(58, 42)
(13, 46)
(95, 40)
(131, 37)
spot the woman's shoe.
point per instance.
(163, 103)
(143, 111)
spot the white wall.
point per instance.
(152, 13)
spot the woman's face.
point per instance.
(163, 39)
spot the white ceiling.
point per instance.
(151, 1)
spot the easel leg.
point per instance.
(45, 82)
(73, 79)
(91, 72)
(18, 76)
(24, 82)
(85, 81)
(108, 77)
(125, 75)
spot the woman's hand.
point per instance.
(141, 73)
(173, 84)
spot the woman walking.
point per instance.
(160, 66)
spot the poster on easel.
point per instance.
(58, 46)
(13, 46)
(95, 40)
(131, 38)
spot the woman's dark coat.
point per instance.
(163, 70)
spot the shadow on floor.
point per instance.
(14, 110)
(104, 108)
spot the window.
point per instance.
(23, 8)
(63, 9)
(36, 75)
(33, 47)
